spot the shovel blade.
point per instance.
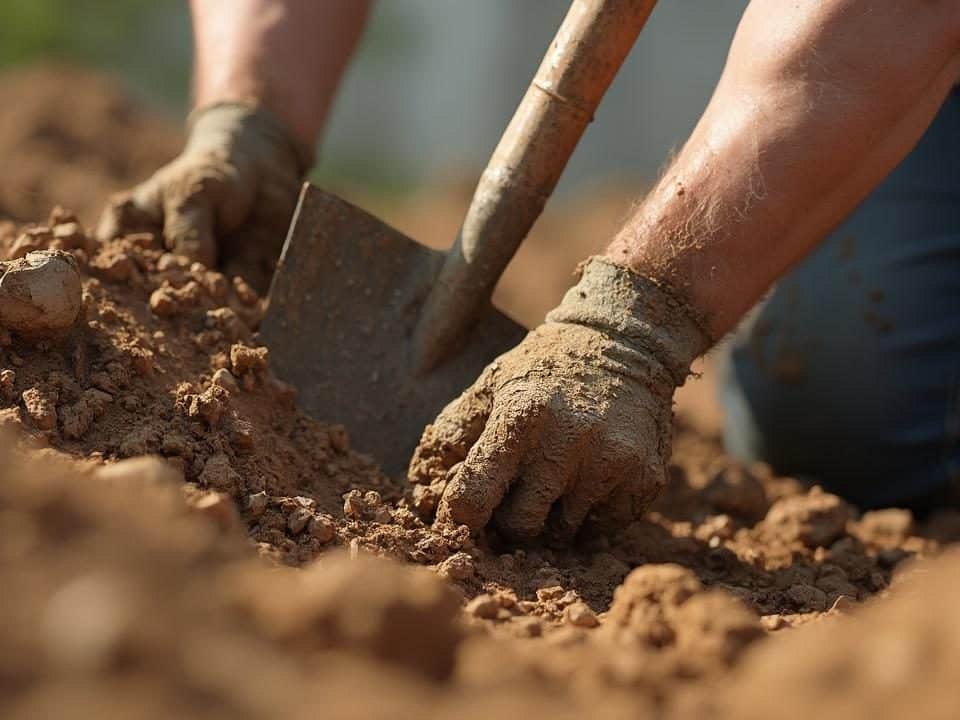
(343, 306)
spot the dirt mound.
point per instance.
(130, 603)
(132, 586)
(894, 660)
(164, 362)
(70, 134)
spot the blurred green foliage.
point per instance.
(148, 45)
(146, 41)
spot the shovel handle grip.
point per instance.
(580, 64)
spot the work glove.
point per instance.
(573, 423)
(240, 168)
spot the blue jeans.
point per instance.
(849, 373)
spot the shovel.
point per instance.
(378, 331)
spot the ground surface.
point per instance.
(240, 572)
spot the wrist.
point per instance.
(637, 310)
(248, 117)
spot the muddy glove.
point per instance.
(574, 421)
(240, 168)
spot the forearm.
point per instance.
(819, 100)
(288, 55)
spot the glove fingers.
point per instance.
(131, 211)
(491, 466)
(546, 477)
(448, 439)
(188, 228)
(593, 486)
(627, 501)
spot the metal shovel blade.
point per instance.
(342, 309)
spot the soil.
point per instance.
(84, 125)
(178, 540)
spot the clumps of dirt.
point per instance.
(129, 604)
(182, 379)
(68, 133)
(895, 659)
(163, 361)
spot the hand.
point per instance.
(240, 169)
(575, 421)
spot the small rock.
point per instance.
(223, 378)
(807, 598)
(142, 361)
(29, 241)
(219, 474)
(554, 592)
(890, 526)
(163, 302)
(298, 519)
(580, 615)
(70, 236)
(257, 503)
(483, 606)
(41, 408)
(245, 359)
(242, 437)
(114, 266)
(735, 491)
(816, 519)
(772, 622)
(40, 293)
(226, 321)
(322, 528)
(8, 379)
(458, 566)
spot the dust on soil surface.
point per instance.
(134, 586)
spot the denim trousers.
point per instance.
(849, 372)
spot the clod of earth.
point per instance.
(40, 293)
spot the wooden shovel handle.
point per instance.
(579, 66)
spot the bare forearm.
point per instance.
(819, 100)
(286, 54)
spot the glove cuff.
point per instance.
(241, 117)
(640, 311)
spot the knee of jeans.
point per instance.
(880, 436)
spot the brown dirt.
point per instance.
(133, 586)
(86, 127)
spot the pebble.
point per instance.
(219, 474)
(483, 606)
(580, 615)
(40, 293)
(257, 503)
(8, 379)
(298, 519)
(322, 528)
(40, 408)
(225, 379)
(458, 566)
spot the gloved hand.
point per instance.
(239, 168)
(574, 421)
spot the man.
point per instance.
(850, 373)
